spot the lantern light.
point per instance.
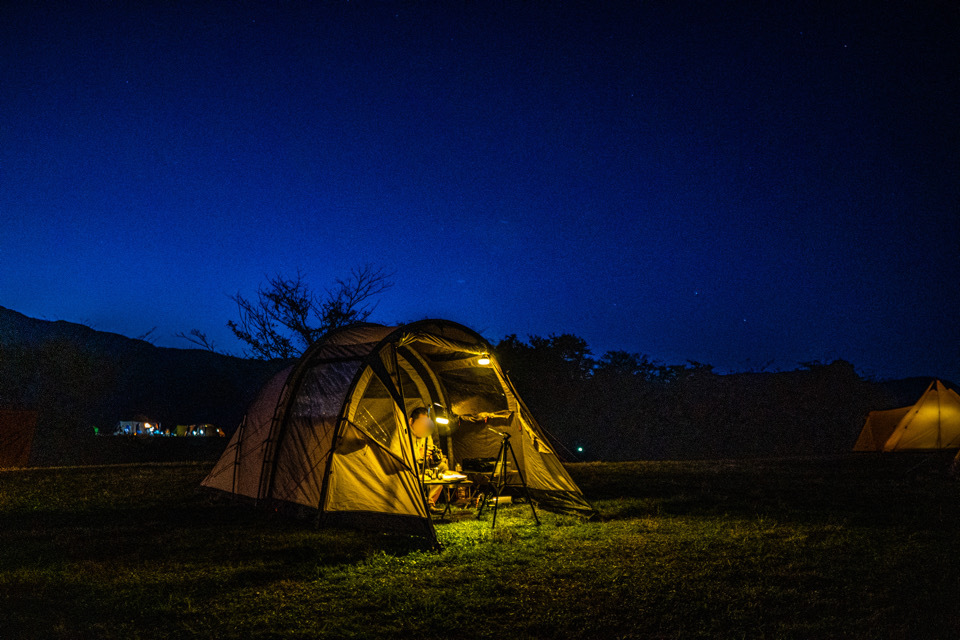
(439, 414)
(483, 360)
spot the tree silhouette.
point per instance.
(287, 316)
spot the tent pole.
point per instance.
(421, 472)
(328, 467)
(236, 456)
(277, 427)
(939, 423)
(342, 418)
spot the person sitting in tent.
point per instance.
(424, 451)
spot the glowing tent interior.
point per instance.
(330, 433)
(933, 422)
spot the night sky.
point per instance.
(745, 184)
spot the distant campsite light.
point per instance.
(579, 449)
(483, 360)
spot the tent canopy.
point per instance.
(330, 432)
(933, 422)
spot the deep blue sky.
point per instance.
(734, 184)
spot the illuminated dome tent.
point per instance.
(933, 422)
(330, 433)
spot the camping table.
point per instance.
(447, 486)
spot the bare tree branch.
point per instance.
(287, 316)
(146, 335)
(348, 301)
(198, 338)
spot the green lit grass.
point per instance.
(848, 547)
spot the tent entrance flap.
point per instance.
(364, 477)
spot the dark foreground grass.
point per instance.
(847, 547)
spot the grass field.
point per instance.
(846, 547)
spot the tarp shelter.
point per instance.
(330, 433)
(933, 422)
(16, 436)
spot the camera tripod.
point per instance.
(499, 479)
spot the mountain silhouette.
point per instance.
(78, 378)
